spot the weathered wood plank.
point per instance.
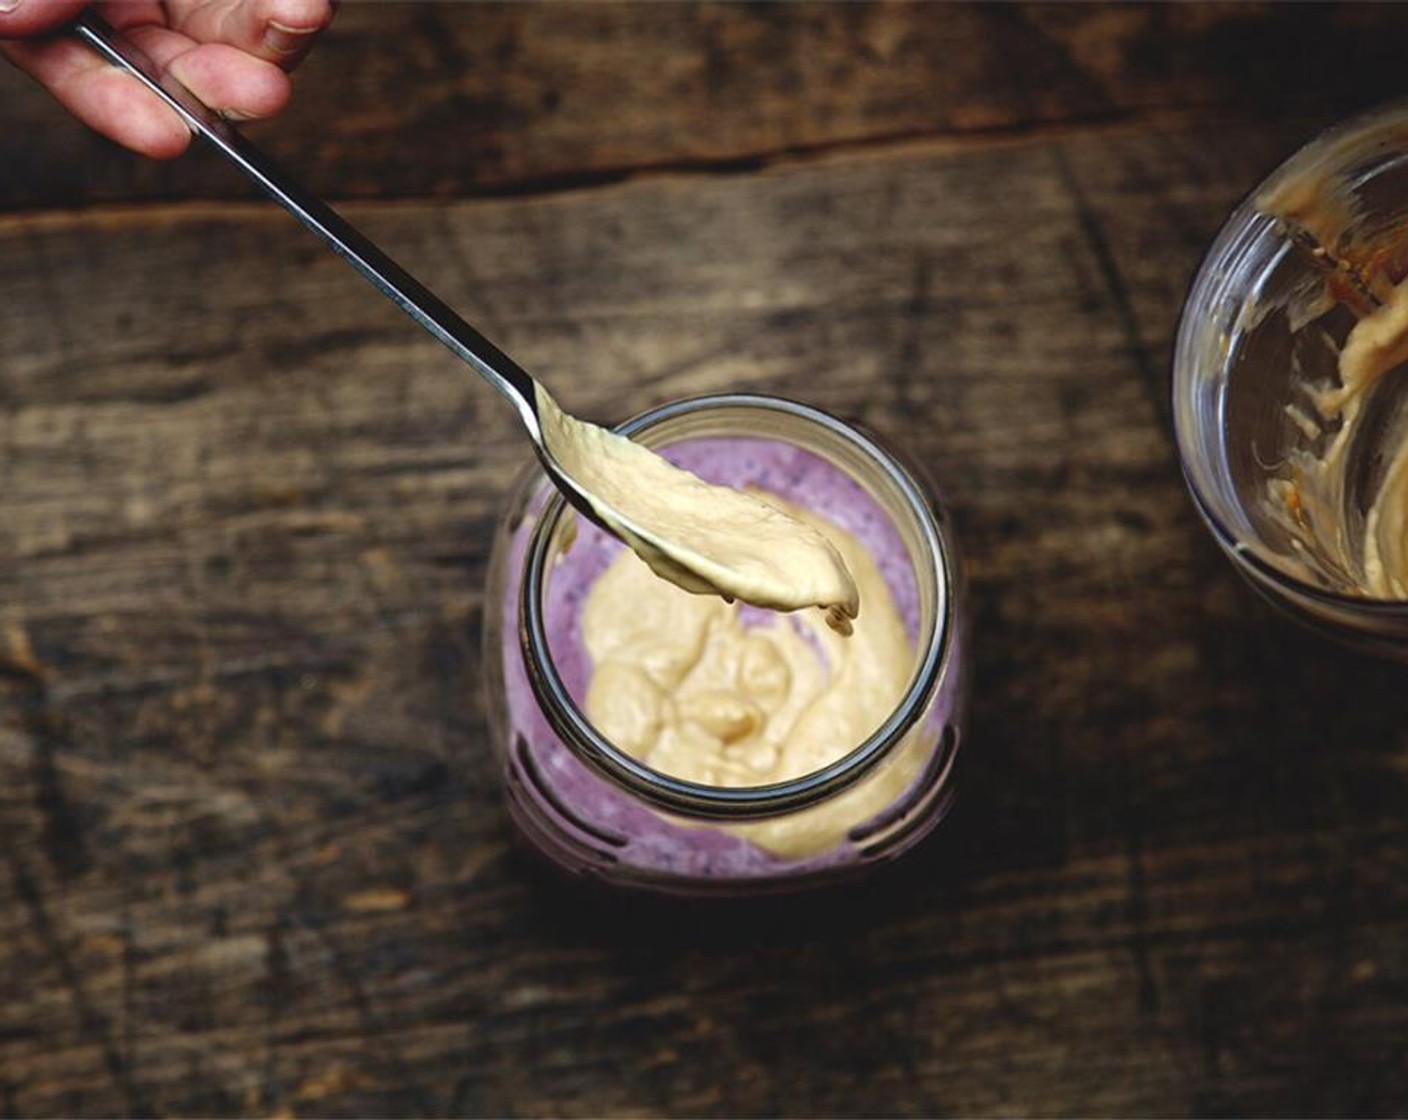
(414, 99)
(253, 859)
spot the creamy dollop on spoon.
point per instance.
(711, 540)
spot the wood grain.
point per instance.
(252, 855)
(255, 861)
(414, 99)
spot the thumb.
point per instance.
(22, 18)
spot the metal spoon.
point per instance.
(560, 441)
(386, 275)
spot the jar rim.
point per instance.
(737, 802)
(1187, 361)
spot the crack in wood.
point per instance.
(92, 1024)
(1155, 385)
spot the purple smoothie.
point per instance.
(578, 817)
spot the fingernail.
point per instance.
(8, 6)
(277, 37)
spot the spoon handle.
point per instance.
(391, 279)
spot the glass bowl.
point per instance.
(598, 813)
(1305, 258)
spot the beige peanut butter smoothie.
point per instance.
(695, 688)
(686, 673)
(682, 743)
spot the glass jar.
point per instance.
(597, 812)
(1257, 349)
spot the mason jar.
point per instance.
(1257, 354)
(599, 813)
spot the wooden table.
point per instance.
(252, 856)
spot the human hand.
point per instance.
(232, 54)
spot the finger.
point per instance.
(104, 98)
(232, 83)
(22, 18)
(109, 101)
(223, 77)
(277, 31)
(127, 14)
(118, 106)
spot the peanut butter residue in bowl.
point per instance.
(1363, 553)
